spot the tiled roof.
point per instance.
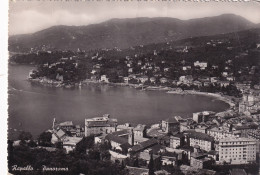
(60, 133)
(144, 145)
(116, 139)
(199, 135)
(122, 132)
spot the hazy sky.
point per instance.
(28, 17)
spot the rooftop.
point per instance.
(199, 135)
(116, 139)
(235, 139)
(71, 140)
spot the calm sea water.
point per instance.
(32, 107)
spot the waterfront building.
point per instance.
(170, 125)
(104, 78)
(202, 116)
(237, 150)
(100, 125)
(201, 65)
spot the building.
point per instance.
(255, 134)
(58, 136)
(176, 140)
(139, 130)
(104, 78)
(70, 143)
(136, 149)
(201, 65)
(68, 125)
(118, 143)
(170, 125)
(204, 141)
(100, 125)
(219, 133)
(202, 116)
(237, 150)
(199, 159)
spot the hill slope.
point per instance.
(123, 33)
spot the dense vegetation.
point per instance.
(87, 158)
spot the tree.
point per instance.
(86, 143)
(151, 165)
(44, 139)
(25, 136)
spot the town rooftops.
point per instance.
(121, 133)
(235, 139)
(137, 171)
(71, 140)
(144, 145)
(116, 139)
(60, 133)
(199, 135)
(178, 135)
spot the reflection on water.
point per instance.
(32, 107)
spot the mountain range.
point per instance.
(124, 33)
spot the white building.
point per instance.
(219, 133)
(104, 78)
(237, 150)
(100, 125)
(202, 65)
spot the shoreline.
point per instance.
(169, 90)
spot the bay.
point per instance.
(32, 107)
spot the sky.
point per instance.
(32, 16)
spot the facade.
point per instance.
(139, 130)
(201, 65)
(104, 78)
(201, 116)
(237, 150)
(255, 134)
(204, 141)
(170, 125)
(70, 143)
(218, 133)
(100, 125)
(176, 140)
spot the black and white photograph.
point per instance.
(133, 87)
